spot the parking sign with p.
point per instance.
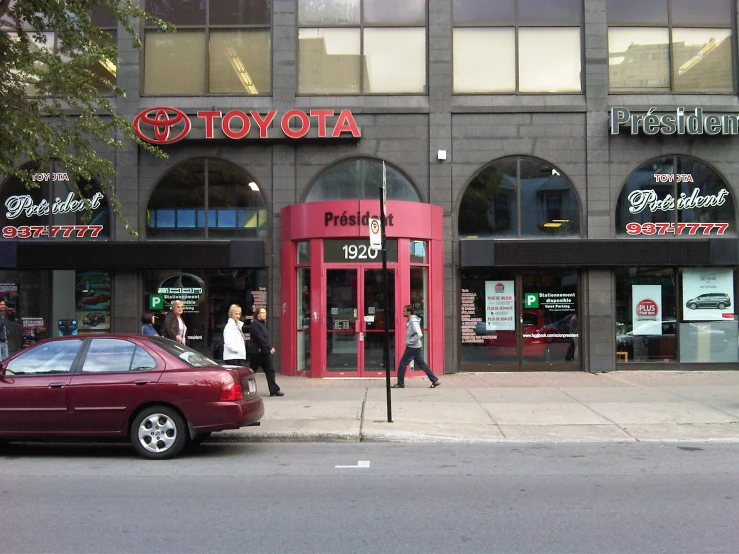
(156, 302)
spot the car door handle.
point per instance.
(141, 383)
(56, 385)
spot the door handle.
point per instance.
(139, 383)
(56, 385)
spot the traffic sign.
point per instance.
(156, 302)
(375, 235)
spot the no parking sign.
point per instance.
(374, 233)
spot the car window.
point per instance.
(142, 360)
(108, 356)
(46, 359)
(188, 355)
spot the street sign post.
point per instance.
(386, 333)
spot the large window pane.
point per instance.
(489, 205)
(397, 185)
(484, 12)
(179, 12)
(551, 12)
(341, 182)
(549, 60)
(328, 12)
(484, 60)
(394, 12)
(638, 59)
(328, 61)
(645, 315)
(637, 11)
(395, 60)
(241, 12)
(240, 62)
(702, 60)
(706, 183)
(702, 12)
(548, 202)
(175, 62)
(229, 191)
(181, 190)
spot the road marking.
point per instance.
(360, 464)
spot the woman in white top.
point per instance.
(234, 349)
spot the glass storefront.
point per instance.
(207, 295)
(524, 320)
(43, 304)
(676, 315)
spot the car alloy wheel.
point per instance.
(158, 433)
(692, 305)
(721, 305)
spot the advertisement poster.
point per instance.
(93, 301)
(500, 306)
(646, 302)
(708, 294)
(34, 330)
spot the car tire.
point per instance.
(721, 305)
(693, 306)
(158, 433)
(200, 438)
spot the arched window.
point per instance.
(53, 208)
(519, 197)
(361, 179)
(675, 196)
(206, 198)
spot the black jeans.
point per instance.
(414, 354)
(239, 361)
(265, 362)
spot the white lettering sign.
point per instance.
(23, 204)
(640, 200)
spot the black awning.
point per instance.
(129, 255)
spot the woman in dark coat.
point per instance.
(261, 351)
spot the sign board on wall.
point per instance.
(500, 306)
(646, 306)
(708, 294)
(678, 122)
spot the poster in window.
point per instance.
(646, 304)
(92, 296)
(708, 294)
(500, 306)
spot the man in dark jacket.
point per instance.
(260, 350)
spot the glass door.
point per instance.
(374, 321)
(342, 313)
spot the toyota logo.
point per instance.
(167, 125)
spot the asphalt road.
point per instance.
(283, 497)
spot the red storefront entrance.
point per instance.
(332, 310)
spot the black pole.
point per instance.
(386, 313)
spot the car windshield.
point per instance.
(191, 357)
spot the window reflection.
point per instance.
(177, 205)
(639, 55)
(361, 179)
(490, 205)
(360, 58)
(199, 59)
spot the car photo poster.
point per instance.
(500, 306)
(708, 294)
(646, 302)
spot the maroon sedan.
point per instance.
(158, 393)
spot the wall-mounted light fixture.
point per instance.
(441, 155)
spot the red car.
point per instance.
(95, 299)
(157, 393)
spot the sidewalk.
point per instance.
(504, 407)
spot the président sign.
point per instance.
(675, 123)
(166, 125)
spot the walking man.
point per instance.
(413, 336)
(3, 330)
